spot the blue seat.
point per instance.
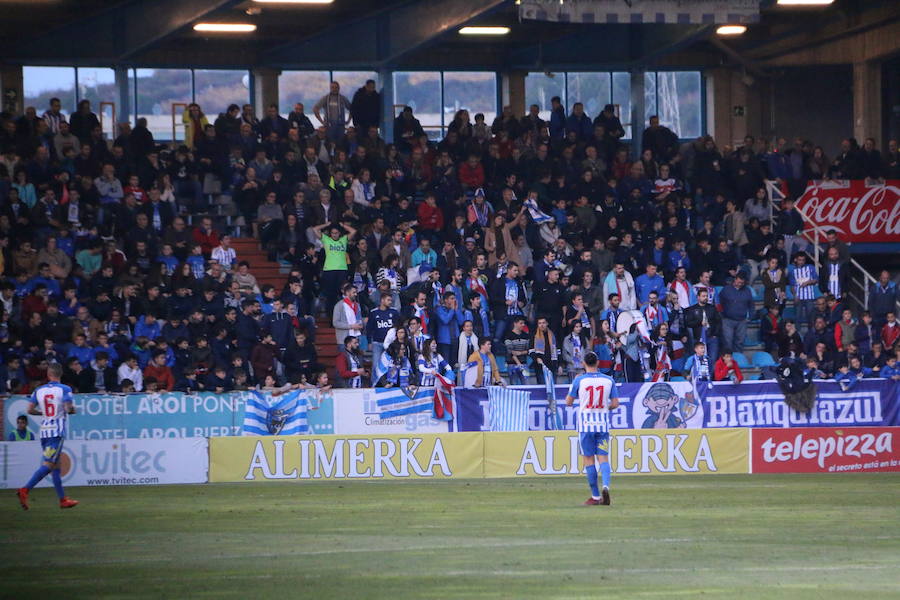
(741, 360)
(501, 363)
(790, 313)
(763, 359)
(678, 378)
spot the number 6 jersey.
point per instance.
(53, 399)
(593, 391)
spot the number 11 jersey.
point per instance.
(593, 391)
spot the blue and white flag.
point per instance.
(537, 215)
(554, 421)
(509, 409)
(395, 402)
(468, 374)
(275, 415)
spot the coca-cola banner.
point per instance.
(858, 211)
(825, 450)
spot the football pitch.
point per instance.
(788, 536)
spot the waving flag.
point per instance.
(396, 402)
(509, 409)
(442, 406)
(537, 215)
(276, 415)
(554, 421)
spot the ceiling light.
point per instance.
(225, 27)
(294, 1)
(731, 29)
(484, 30)
(805, 2)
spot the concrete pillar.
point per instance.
(867, 115)
(13, 89)
(638, 123)
(264, 83)
(512, 91)
(123, 105)
(388, 112)
(729, 106)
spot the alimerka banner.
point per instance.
(858, 211)
(825, 450)
(636, 452)
(414, 456)
(677, 405)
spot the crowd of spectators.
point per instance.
(522, 240)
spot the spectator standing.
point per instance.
(737, 304)
(379, 322)
(333, 111)
(803, 280)
(347, 317)
(334, 270)
(366, 107)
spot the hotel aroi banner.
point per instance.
(858, 211)
(825, 450)
(111, 462)
(632, 452)
(301, 458)
(677, 405)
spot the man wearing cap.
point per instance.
(737, 305)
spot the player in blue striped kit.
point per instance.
(53, 401)
(597, 395)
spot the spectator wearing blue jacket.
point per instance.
(883, 298)
(449, 322)
(579, 123)
(147, 326)
(737, 304)
(380, 322)
(81, 350)
(650, 281)
(557, 119)
(891, 370)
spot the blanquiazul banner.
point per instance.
(677, 405)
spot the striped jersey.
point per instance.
(593, 391)
(53, 399)
(427, 369)
(802, 275)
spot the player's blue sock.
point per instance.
(38, 475)
(605, 473)
(592, 481)
(57, 483)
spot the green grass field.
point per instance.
(723, 536)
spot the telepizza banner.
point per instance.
(826, 450)
(858, 211)
(631, 451)
(301, 458)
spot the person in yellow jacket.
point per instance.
(484, 365)
(194, 123)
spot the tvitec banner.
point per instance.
(677, 405)
(111, 462)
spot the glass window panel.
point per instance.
(42, 83)
(540, 88)
(215, 89)
(99, 85)
(621, 96)
(306, 87)
(591, 89)
(157, 91)
(353, 80)
(474, 91)
(680, 102)
(420, 90)
(649, 97)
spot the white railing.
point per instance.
(859, 277)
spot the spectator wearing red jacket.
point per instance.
(471, 173)
(206, 236)
(430, 216)
(890, 333)
(159, 371)
(727, 369)
(844, 330)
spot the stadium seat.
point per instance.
(763, 359)
(678, 378)
(741, 360)
(501, 364)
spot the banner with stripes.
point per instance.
(266, 414)
(396, 402)
(509, 408)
